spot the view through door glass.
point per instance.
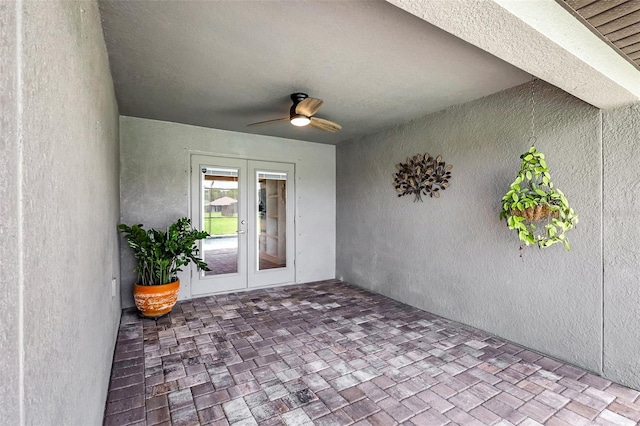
(247, 207)
(220, 216)
(272, 220)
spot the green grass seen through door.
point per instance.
(220, 225)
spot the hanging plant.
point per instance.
(535, 209)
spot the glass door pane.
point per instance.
(219, 207)
(272, 220)
(271, 233)
(245, 249)
(220, 220)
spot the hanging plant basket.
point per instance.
(535, 209)
(537, 213)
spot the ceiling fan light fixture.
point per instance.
(300, 120)
(303, 113)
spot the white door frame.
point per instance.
(270, 277)
(205, 284)
(248, 276)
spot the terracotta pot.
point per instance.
(156, 300)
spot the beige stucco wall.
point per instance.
(621, 141)
(9, 217)
(60, 208)
(155, 159)
(453, 256)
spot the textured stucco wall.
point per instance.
(70, 212)
(621, 144)
(155, 162)
(9, 217)
(452, 255)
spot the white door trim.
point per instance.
(248, 275)
(279, 276)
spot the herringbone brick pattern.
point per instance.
(330, 353)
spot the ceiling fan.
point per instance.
(302, 113)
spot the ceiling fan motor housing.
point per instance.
(296, 98)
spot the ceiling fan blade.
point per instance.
(309, 106)
(277, 120)
(326, 125)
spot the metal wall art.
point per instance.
(420, 175)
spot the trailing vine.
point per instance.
(534, 208)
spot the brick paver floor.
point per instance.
(330, 353)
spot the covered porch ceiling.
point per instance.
(375, 64)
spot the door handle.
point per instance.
(239, 231)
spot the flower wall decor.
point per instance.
(422, 175)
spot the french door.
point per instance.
(247, 207)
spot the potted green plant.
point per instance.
(161, 255)
(534, 208)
